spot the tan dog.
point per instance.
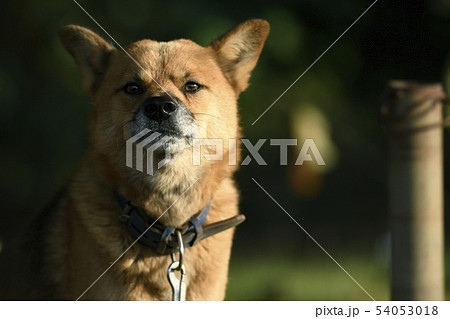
(183, 92)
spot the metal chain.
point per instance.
(178, 285)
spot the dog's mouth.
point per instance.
(168, 133)
(171, 139)
(168, 137)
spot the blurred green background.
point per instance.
(44, 111)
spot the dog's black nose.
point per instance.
(160, 108)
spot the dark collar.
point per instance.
(163, 239)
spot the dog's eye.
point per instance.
(132, 89)
(191, 87)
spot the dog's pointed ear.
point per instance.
(238, 51)
(90, 52)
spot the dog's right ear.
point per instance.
(90, 52)
(238, 51)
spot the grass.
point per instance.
(282, 277)
(312, 277)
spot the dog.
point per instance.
(119, 233)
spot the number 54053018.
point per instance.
(407, 310)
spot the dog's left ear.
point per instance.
(90, 52)
(238, 51)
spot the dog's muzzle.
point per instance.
(160, 108)
(165, 115)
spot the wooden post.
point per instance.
(413, 116)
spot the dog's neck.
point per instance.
(171, 194)
(167, 239)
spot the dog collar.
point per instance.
(163, 239)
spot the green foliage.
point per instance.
(284, 277)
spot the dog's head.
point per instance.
(177, 89)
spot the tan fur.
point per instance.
(79, 236)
